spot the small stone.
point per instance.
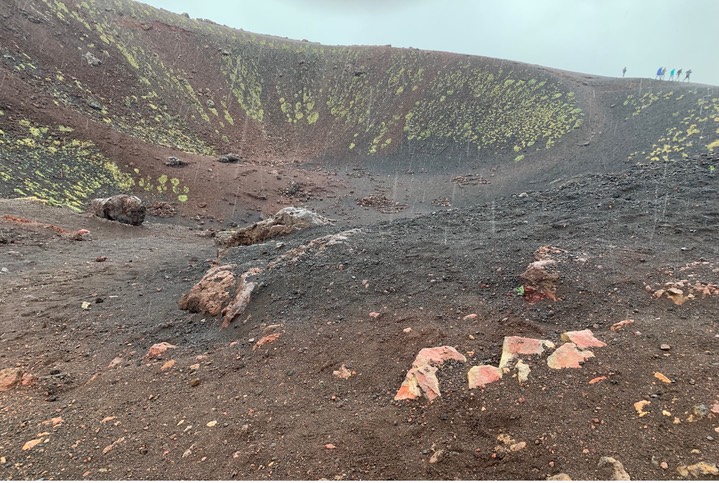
(618, 471)
(664, 465)
(195, 382)
(374, 315)
(639, 407)
(168, 365)
(10, 378)
(469, 317)
(158, 349)
(212, 424)
(31, 444)
(407, 330)
(662, 378)
(343, 372)
(665, 347)
(560, 477)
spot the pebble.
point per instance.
(665, 347)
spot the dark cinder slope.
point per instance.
(95, 93)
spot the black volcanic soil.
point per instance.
(228, 409)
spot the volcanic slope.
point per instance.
(96, 95)
(446, 176)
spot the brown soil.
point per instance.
(230, 408)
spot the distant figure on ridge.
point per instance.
(689, 72)
(659, 73)
(624, 71)
(679, 74)
(671, 75)
(664, 71)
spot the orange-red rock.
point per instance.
(422, 376)
(158, 349)
(268, 339)
(480, 376)
(568, 356)
(514, 346)
(583, 339)
(10, 378)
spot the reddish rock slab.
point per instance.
(480, 376)
(568, 357)
(9, 378)
(583, 339)
(422, 378)
(437, 355)
(514, 346)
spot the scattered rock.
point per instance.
(175, 162)
(92, 60)
(115, 362)
(9, 378)
(168, 365)
(583, 339)
(568, 356)
(158, 349)
(94, 105)
(480, 376)
(662, 378)
(268, 339)
(523, 371)
(229, 158)
(597, 379)
(698, 469)
(665, 347)
(343, 372)
(509, 444)
(514, 346)
(469, 317)
(210, 103)
(620, 325)
(639, 407)
(31, 444)
(374, 315)
(122, 208)
(618, 471)
(560, 477)
(422, 376)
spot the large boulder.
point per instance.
(123, 208)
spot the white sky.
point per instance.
(590, 36)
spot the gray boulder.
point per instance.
(126, 209)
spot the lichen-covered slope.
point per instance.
(87, 72)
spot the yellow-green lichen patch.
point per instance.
(67, 172)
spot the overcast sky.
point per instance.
(591, 36)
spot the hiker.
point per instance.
(671, 75)
(659, 73)
(624, 71)
(689, 72)
(664, 71)
(679, 74)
